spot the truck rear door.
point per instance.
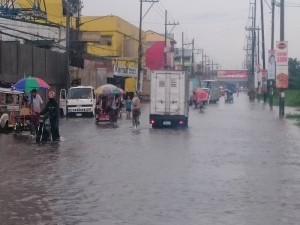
(174, 94)
(160, 93)
(167, 93)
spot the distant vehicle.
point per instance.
(79, 101)
(231, 87)
(169, 94)
(241, 89)
(214, 93)
(208, 92)
(9, 107)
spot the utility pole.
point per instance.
(78, 21)
(258, 48)
(212, 69)
(263, 47)
(202, 63)
(197, 51)
(259, 85)
(166, 33)
(271, 81)
(281, 98)
(263, 35)
(68, 44)
(166, 36)
(273, 22)
(252, 82)
(193, 59)
(205, 67)
(182, 53)
(140, 47)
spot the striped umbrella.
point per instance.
(29, 83)
(202, 95)
(109, 89)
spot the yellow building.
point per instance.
(118, 39)
(109, 36)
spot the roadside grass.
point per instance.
(292, 98)
(295, 117)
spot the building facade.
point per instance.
(184, 60)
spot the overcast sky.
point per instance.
(217, 26)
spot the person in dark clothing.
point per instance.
(52, 108)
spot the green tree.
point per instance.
(294, 74)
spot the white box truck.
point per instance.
(78, 101)
(169, 99)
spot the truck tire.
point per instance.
(155, 126)
(186, 122)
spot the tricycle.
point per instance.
(26, 121)
(229, 97)
(9, 107)
(107, 108)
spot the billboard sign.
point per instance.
(282, 69)
(264, 80)
(90, 36)
(232, 74)
(272, 65)
(257, 77)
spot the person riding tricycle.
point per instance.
(107, 109)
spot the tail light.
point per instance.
(181, 122)
(152, 121)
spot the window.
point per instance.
(106, 40)
(161, 83)
(173, 83)
(9, 99)
(80, 93)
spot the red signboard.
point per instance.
(264, 78)
(155, 56)
(232, 74)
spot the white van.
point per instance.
(78, 101)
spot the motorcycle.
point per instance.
(44, 129)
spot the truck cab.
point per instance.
(78, 101)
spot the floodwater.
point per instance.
(236, 164)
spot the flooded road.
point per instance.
(235, 164)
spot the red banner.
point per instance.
(232, 74)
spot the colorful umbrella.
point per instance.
(202, 95)
(108, 89)
(29, 83)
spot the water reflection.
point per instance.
(235, 164)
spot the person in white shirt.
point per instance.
(136, 110)
(35, 101)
